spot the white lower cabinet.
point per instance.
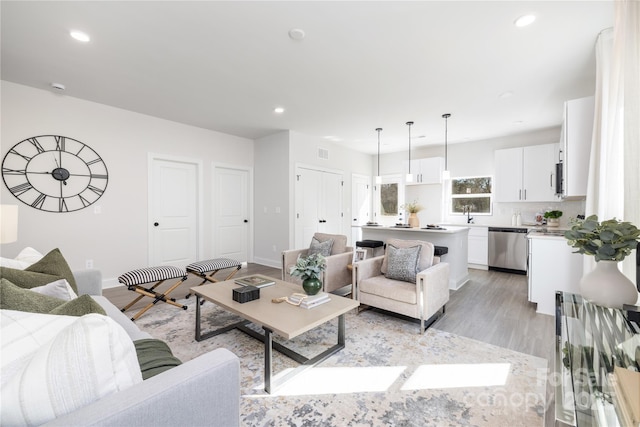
(552, 267)
(478, 247)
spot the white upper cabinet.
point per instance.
(425, 171)
(525, 174)
(576, 137)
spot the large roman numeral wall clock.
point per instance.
(54, 173)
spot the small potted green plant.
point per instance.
(413, 208)
(309, 269)
(553, 218)
(609, 242)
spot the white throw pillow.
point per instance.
(25, 258)
(22, 333)
(29, 255)
(59, 289)
(12, 263)
(87, 360)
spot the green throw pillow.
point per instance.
(154, 357)
(54, 263)
(13, 297)
(80, 306)
(50, 268)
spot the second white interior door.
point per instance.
(231, 213)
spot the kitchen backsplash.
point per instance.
(502, 213)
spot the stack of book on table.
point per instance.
(256, 280)
(310, 301)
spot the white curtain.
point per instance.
(614, 171)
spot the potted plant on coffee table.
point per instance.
(609, 242)
(309, 269)
(553, 218)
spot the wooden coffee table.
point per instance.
(284, 319)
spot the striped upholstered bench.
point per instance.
(205, 270)
(134, 280)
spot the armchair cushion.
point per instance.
(339, 242)
(426, 252)
(390, 289)
(402, 263)
(318, 247)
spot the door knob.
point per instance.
(155, 224)
(246, 220)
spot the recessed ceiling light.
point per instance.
(80, 36)
(524, 20)
(278, 110)
(58, 86)
(507, 94)
(296, 34)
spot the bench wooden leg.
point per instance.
(157, 297)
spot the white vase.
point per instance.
(607, 286)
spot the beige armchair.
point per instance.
(424, 300)
(337, 275)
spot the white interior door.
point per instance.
(173, 213)
(331, 203)
(318, 201)
(231, 213)
(308, 188)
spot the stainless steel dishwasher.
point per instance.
(508, 249)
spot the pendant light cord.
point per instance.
(409, 124)
(446, 128)
(378, 130)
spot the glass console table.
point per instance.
(590, 341)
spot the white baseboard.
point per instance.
(111, 283)
(268, 262)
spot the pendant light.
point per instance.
(378, 176)
(445, 174)
(409, 177)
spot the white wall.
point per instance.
(116, 239)
(272, 199)
(476, 158)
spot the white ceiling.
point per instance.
(225, 65)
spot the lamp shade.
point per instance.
(8, 223)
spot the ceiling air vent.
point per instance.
(323, 153)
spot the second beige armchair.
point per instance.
(423, 296)
(337, 275)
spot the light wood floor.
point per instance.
(492, 307)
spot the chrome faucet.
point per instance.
(467, 209)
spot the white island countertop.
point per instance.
(446, 229)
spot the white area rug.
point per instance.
(388, 374)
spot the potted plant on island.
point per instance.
(413, 208)
(609, 242)
(309, 269)
(553, 218)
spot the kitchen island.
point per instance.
(454, 238)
